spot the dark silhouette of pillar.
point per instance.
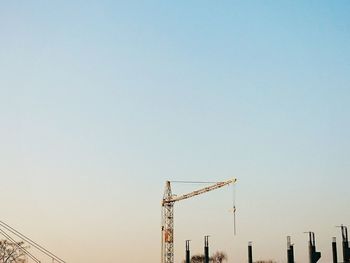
(314, 256)
(346, 249)
(334, 250)
(250, 252)
(188, 259)
(290, 250)
(206, 249)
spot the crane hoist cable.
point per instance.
(234, 208)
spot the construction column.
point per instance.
(206, 249)
(250, 252)
(346, 249)
(188, 251)
(313, 255)
(290, 250)
(334, 250)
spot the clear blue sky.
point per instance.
(102, 101)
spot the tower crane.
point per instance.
(167, 229)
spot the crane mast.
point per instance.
(167, 230)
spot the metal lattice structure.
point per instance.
(167, 229)
(167, 226)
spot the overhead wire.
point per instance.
(33, 243)
(18, 246)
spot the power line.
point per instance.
(21, 248)
(33, 243)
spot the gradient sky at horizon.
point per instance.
(102, 101)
